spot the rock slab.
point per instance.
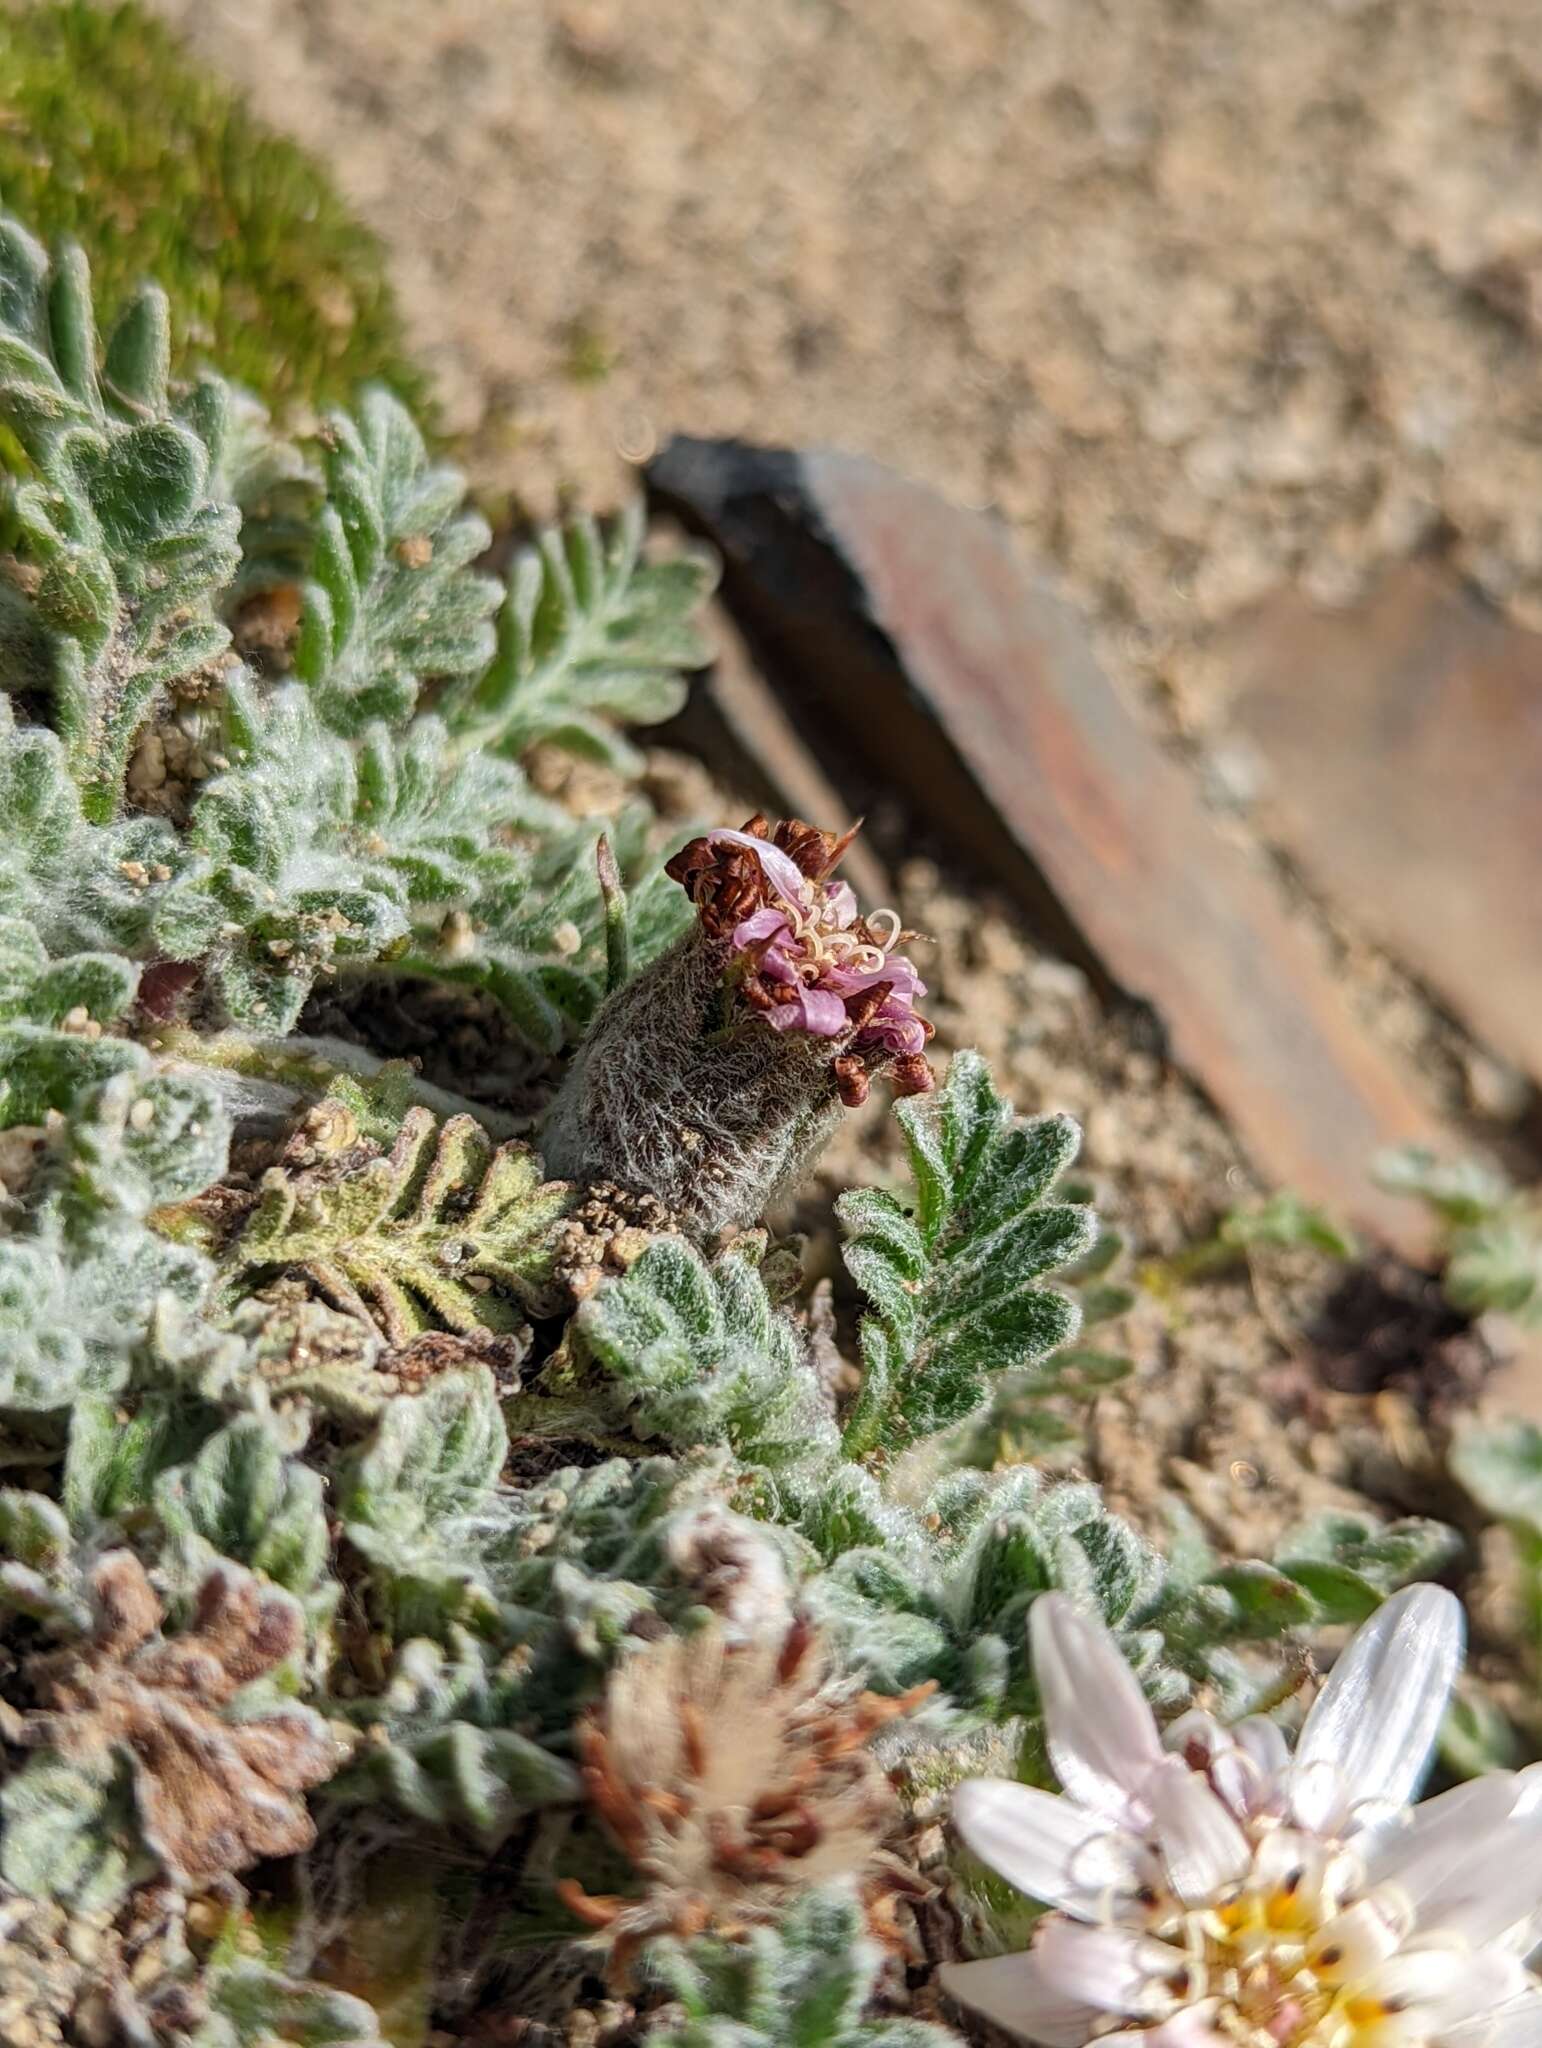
(1402, 742)
(917, 635)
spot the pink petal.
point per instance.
(764, 923)
(906, 1034)
(1102, 1739)
(813, 1010)
(782, 872)
(851, 981)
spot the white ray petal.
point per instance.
(1034, 1840)
(1264, 1741)
(1010, 1992)
(1203, 1849)
(1516, 2025)
(1111, 1968)
(1374, 1722)
(1466, 1864)
(1448, 1985)
(1352, 1944)
(1416, 1849)
(1101, 1737)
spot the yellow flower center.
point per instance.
(1278, 1967)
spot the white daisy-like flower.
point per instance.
(1211, 1889)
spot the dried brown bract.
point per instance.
(731, 1775)
(214, 1793)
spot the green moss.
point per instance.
(109, 134)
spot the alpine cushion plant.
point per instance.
(1210, 1885)
(448, 1477)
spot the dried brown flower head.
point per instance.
(730, 1775)
(214, 1794)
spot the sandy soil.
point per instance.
(1201, 294)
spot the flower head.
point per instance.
(732, 1775)
(1212, 1888)
(801, 954)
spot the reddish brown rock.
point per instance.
(916, 633)
(1403, 744)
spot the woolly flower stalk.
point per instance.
(712, 1078)
(1214, 1889)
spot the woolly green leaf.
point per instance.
(277, 893)
(1460, 1191)
(115, 1459)
(69, 1832)
(80, 887)
(131, 552)
(430, 1456)
(141, 1141)
(952, 1282)
(314, 853)
(447, 1230)
(80, 1277)
(590, 638)
(254, 2006)
(1287, 1222)
(803, 1983)
(1349, 1563)
(479, 1780)
(72, 1307)
(695, 1353)
(245, 1500)
(39, 1574)
(43, 1070)
(1476, 1735)
(1493, 1234)
(391, 602)
(1500, 1464)
(138, 358)
(540, 948)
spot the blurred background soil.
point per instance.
(1205, 298)
(1201, 296)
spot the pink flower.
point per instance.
(801, 952)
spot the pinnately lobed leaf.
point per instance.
(390, 598)
(127, 546)
(81, 1273)
(590, 638)
(446, 1230)
(355, 805)
(952, 1276)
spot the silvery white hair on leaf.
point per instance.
(734, 1567)
(1210, 1887)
